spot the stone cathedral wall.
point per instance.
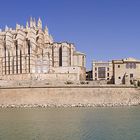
(31, 50)
(49, 77)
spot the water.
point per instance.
(122, 123)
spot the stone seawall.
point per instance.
(68, 96)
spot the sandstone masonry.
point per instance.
(30, 53)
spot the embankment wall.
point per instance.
(68, 96)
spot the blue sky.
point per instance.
(103, 29)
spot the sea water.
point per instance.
(116, 123)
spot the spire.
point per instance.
(39, 23)
(51, 39)
(34, 23)
(46, 30)
(27, 25)
(31, 22)
(22, 27)
(6, 28)
(17, 26)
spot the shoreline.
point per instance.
(66, 106)
(68, 86)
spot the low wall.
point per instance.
(69, 96)
(48, 76)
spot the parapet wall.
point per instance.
(69, 96)
(50, 76)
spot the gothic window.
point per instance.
(29, 47)
(83, 61)
(5, 58)
(8, 62)
(60, 56)
(53, 56)
(20, 61)
(13, 65)
(16, 58)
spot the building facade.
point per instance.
(30, 52)
(102, 70)
(124, 71)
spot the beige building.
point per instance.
(102, 70)
(30, 53)
(126, 71)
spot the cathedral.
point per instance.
(31, 53)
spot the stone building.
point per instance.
(126, 71)
(30, 53)
(102, 70)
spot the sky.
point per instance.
(102, 29)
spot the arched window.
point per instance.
(127, 65)
(134, 65)
(8, 62)
(131, 65)
(29, 51)
(13, 58)
(60, 56)
(83, 61)
(20, 61)
(16, 58)
(5, 58)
